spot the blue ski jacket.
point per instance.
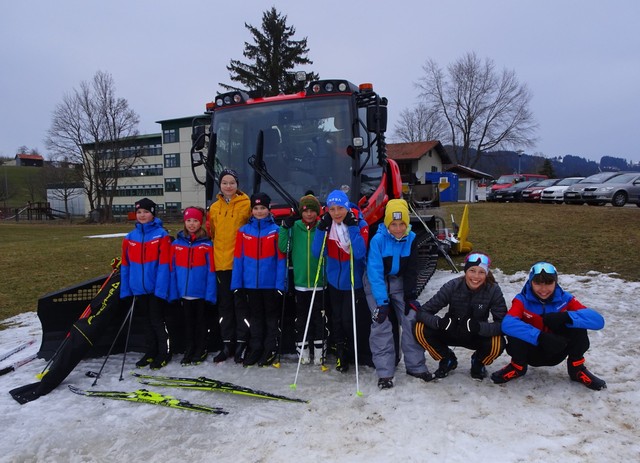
(258, 263)
(337, 261)
(192, 269)
(145, 260)
(390, 256)
(524, 318)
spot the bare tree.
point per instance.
(483, 109)
(93, 127)
(64, 182)
(421, 123)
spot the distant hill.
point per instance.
(498, 163)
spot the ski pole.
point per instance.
(284, 300)
(127, 317)
(355, 332)
(439, 245)
(115, 263)
(126, 342)
(313, 296)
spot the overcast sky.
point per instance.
(580, 59)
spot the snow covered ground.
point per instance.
(541, 417)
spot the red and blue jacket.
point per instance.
(337, 261)
(145, 260)
(258, 263)
(524, 318)
(192, 268)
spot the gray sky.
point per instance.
(579, 58)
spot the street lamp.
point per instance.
(520, 153)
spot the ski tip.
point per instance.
(293, 386)
(324, 368)
(41, 375)
(276, 365)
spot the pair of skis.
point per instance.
(201, 384)
(150, 397)
(18, 363)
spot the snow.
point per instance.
(108, 235)
(540, 417)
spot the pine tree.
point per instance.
(274, 55)
(547, 169)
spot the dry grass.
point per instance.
(38, 258)
(574, 238)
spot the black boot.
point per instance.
(226, 352)
(511, 371)
(447, 364)
(267, 358)
(160, 361)
(342, 362)
(251, 357)
(145, 360)
(578, 372)
(188, 356)
(240, 351)
(478, 370)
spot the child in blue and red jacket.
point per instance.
(345, 239)
(546, 325)
(259, 270)
(193, 282)
(145, 274)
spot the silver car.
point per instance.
(573, 194)
(619, 190)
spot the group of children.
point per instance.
(237, 257)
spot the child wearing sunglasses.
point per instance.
(546, 325)
(470, 300)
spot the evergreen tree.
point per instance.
(274, 56)
(547, 169)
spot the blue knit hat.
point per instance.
(338, 198)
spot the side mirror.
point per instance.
(198, 138)
(377, 118)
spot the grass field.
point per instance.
(38, 258)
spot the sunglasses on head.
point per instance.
(478, 256)
(545, 267)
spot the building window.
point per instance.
(434, 169)
(172, 160)
(171, 184)
(175, 208)
(170, 135)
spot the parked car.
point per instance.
(555, 193)
(573, 194)
(513, 193)
(533, 192)
(618, 190)
(508, 180)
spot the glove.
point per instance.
(551, 343)
(350, 219)
(557, 320)
(289, 221)
(325, 222)
(447, 323)
(411, 305)
(381, 313)
(471, 326)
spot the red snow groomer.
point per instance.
(329, 135)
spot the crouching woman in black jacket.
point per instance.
(470, 299)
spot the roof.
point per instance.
(35, 157)
(468, 172)
(416, 150)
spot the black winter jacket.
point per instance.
(464, 303)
